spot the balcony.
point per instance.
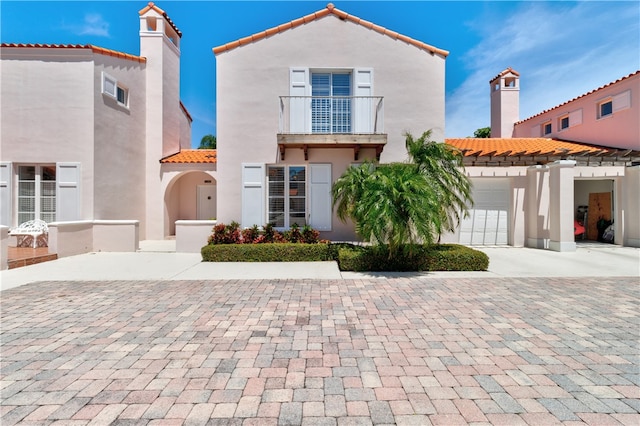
(354, 122)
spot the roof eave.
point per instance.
(329, 10)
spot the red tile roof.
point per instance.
(505, 72)
(582, 96)
(515, 147)
(192, 156)
(329, 10)
(95, 49)
(163, 13)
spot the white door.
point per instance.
(206, 202)
(488, 221)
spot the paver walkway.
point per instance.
(421, 351)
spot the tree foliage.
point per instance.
(483, 132)
(405, 203)
(208, 142)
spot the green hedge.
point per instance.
(278, 252)
(439, 257)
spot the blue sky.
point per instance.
(561, 49)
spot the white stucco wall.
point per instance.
(252, 77)
(119, 142)
(618, 130)
(47, 111)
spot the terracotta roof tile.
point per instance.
(514, 147)
(637, 73)
(192, 156)
(95, 49)
(505, 72)
(329, 10)
(150, 6)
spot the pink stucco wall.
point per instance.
(618, 130)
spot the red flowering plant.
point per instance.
(232, 234)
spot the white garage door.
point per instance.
(488, 220)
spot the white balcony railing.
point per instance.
(331, 115)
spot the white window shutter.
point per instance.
(320, 211)
(5, 194)
(621, 101)
(363, 109)
(575, 118)
(68, 180)
(299, 108)
(253, 196)
(109, 85)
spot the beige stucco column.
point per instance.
(561, 214)
(631, 207)
(537, 207)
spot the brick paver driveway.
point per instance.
(421, 351)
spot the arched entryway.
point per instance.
(190, 195)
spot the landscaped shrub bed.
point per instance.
(229, 243)
(438, 257)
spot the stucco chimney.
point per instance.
(505, 103)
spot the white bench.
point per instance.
(33, 233)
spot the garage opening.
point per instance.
(594, 210)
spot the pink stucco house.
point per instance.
(576, 162)
(91, 134)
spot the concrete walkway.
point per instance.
(156, 262)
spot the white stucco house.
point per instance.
(91, 134)
(299, 103)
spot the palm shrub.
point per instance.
(442, 165)
(405, 203)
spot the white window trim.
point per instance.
(599, 108)
(542, 128)
(38, 193)
(559, 120)
(116, 85)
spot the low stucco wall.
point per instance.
(192, 235)
(116, 235)
(4, 247)
(71, 238)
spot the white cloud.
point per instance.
(561, 51)
(93, 25)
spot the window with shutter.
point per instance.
(36, 193)
(112, 88)
(331, 102)
(287, 191)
